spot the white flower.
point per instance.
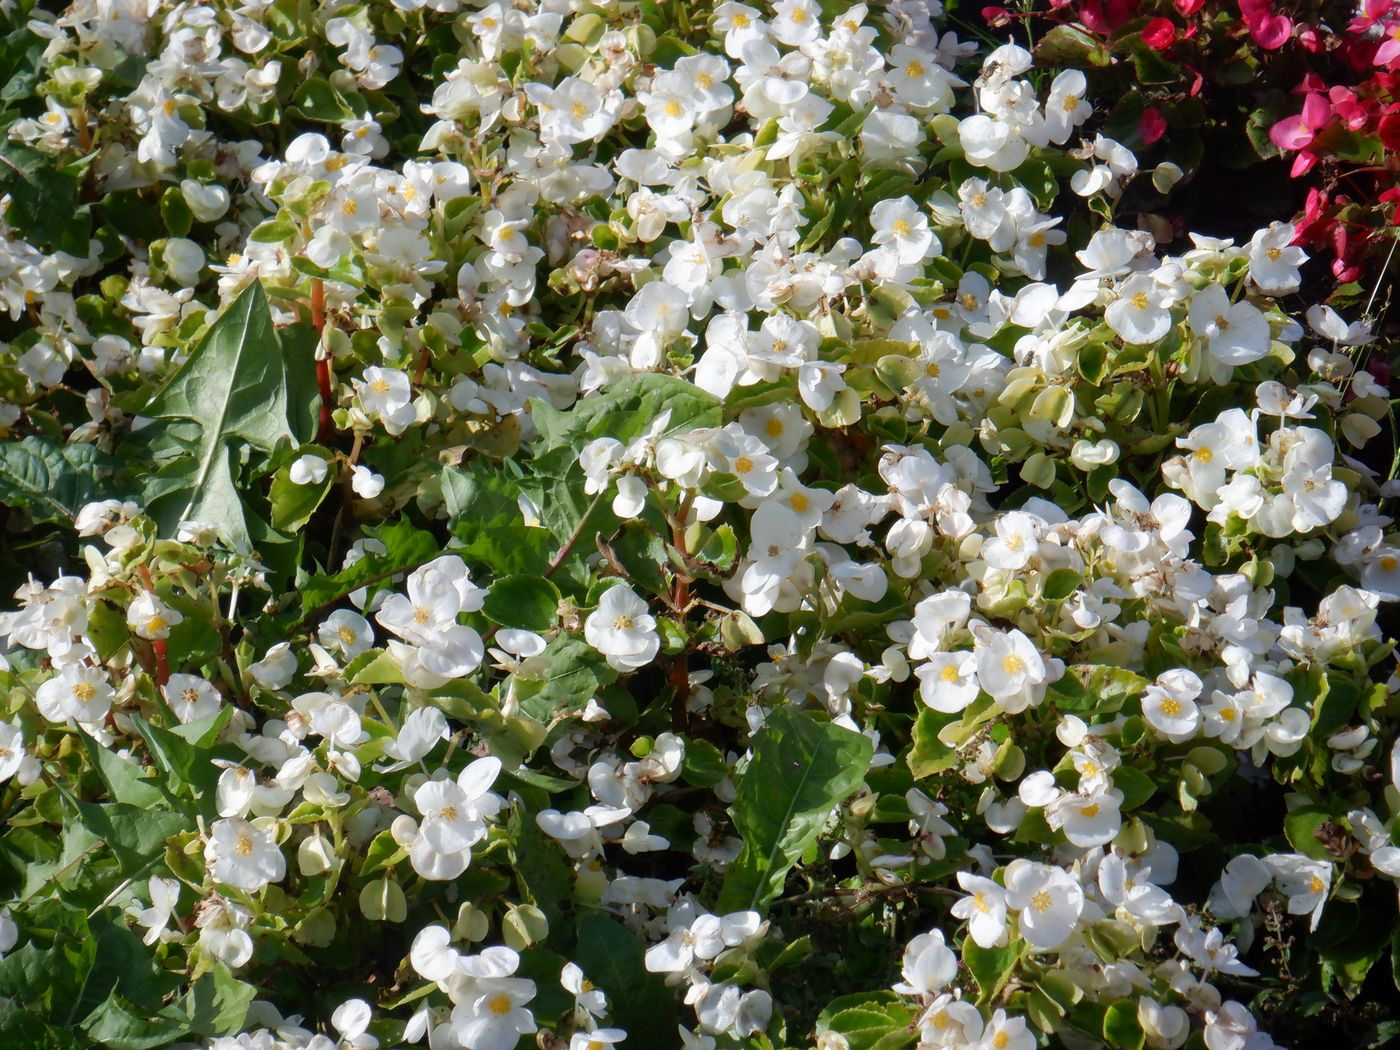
(984, 909)
(1140, 313)
(1274, 259)
(1048, 902)
(78, 691)
(150, 617)
(1235, 334)
(948, 682)
(1169, 705)
(366, 483)
(165, 894)
(192, 698)
(9, 933)
(622, 630)
(242, 856)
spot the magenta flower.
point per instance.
(1270, 31)
(1298, 132)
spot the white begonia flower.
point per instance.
(9, 932)
(155, 920)
(1166, 1026)
(78, 691)
(949, 681)
(385, 394)
(1304, 881)
(622, 630)
(1274, 259)
(598, 1039)
(13, 756)
(346, 631)
(984, 909)
(191, 698)
(309, 469)
(1234, 333)
(900, 224)
(1141, 312)
(1048, 902)
(208, 202)
(275, 669)
(365, 482)
(151, 618)
(1169, 705)
(1067, 106)
(243, 856)
(929, 965)
(1010, 669)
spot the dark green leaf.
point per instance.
(801, 769)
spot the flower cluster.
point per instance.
(719, 501)
(1220, 87)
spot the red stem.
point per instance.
(323, 361)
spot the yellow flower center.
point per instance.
(349, 207)
(500, 1005)
(950, 674)
(799, 502)
(1204, 455)
(743, 465)
(674, 109)
(1041, 900)
(1273, 254)
(1139, 301)
(448, 813)
(1091, 810)
(243, 846)
(156, 624)
(1388, 563)
(901, 228)
(1012, 664)
(1001, 1040)
(704, 81)
(774, 427)
(623, 623)
(380, 386)
(1170, 707)
(1071, 103)
(914, 69)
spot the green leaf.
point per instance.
(801, 769)
(1137, 786)
(542, 871)
(626, 410)
(405, 548)
(53, 481)
(1060, 584)
(930, 756)
(1121, 1028)
(991, 967)
(573, 673)
(613, 959)
(43, 200)
(485, 517)
(234, 386)
(123, 778)
(293, 504)
(703, 765)
(527, 602)
(1301, 827)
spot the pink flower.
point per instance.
(1151, 125)
(1295, 133)
(1389, 51)
(1159, 34)
(1189, 7)
(1270, 31)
